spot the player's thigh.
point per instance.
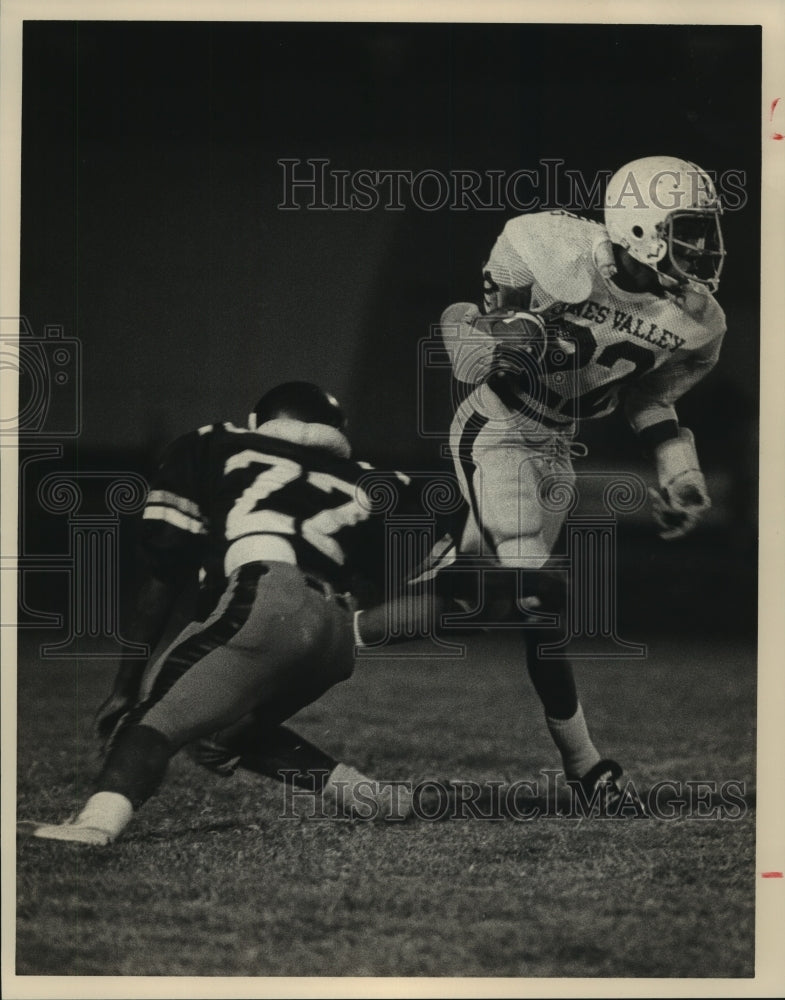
(239, 611)
(293, 647)
(298, 627)
(304, 652)
(507, 474)
(189, 644)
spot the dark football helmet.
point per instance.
(300, 401)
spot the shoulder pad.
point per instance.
(227, 426)
(181, 452)
(703, 308)
(558, 249)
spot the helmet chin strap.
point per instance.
(632, 274)
(669, 283)
(680, 284)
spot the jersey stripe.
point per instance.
(174, 517)
(259, 548)
(226, 621)
(174, 500)
(473, 426)
(500, 385)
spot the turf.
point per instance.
(210, 881)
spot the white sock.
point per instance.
(571, 736)
(107, 811)
(342, 776)
(508, 552)
(358, 639)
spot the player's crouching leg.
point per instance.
(132, 772)
(315, 784)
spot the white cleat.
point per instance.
(77, 833)
(351, 794)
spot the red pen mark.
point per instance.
(775, 135)
(772, 875)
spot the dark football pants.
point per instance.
(277, 641)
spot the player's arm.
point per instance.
(170, 550)
(681, 499)
(404, 603)
(500, 337)
(503, 343)
(507, 277)
(155, 600)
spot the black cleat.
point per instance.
(598, 793)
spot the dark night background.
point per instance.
(151, 232)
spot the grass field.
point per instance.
(209, 881)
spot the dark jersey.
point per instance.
(225, 496)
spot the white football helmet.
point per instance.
(665, 212)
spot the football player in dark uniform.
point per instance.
(277, 519)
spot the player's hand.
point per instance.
(503, 343)
(678, 508)
(682, 499)
(109, 716)
(518, 331)
(209, 752)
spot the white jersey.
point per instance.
(602, 340)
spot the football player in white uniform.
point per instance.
(579, 317)
(277, 516)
